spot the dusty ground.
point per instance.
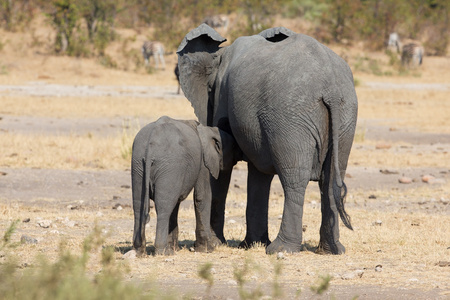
(403, 131)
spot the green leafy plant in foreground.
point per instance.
(67, 277)
(323, 285)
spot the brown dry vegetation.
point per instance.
(410, 243)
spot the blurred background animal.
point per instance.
(411, 51)
(177, 75)
(217, 22)
(155, 49)
(412, 55)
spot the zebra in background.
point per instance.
(394, 43)
(412, 54)
(217, 21)
(155, 49)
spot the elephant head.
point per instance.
(219, 149)
(199, 61)
(212, 148)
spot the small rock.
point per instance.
(45, 223)
(378, 268)
(427, 178)
(377, 223)
(353, 275)
(237, 186)
(443, 263)
(191, 249)
(24, 239)
(405, 180)
(169, 260)
(382, 146)
(280, 255)
(372, 197)
(118, 207)
(304, 228)
(130, 255)
(388, 172)
(26, 220)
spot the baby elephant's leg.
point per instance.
(164, 209)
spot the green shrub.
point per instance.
(68, 278)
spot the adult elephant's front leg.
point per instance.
(219, 189)
(289, 238)
(257, 214)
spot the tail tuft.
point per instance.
(340, 200)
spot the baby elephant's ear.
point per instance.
(212, 148)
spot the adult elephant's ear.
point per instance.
(276, 34)
(198, 65)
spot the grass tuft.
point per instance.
(323, 285)
(68, 276)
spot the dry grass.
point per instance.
(96, 107)
(417, 110)
(408, 246)
(399, 155)
(65, 152)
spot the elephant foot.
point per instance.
(328, 248)
(165, 251)
(279, 246)
(206, 247)
(141, 251)
(215, 241)
(247, 243)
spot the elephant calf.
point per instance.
(170, 158)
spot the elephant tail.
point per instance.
(338, 183)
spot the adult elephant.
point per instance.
(291, 105)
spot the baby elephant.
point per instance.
(170, 157)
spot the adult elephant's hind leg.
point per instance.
(257, 213)
(329, 229)
(172, 242)
(289, 238)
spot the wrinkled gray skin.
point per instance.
(169, 158)
(290, 104)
